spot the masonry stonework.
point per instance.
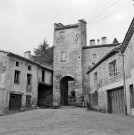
(3, 91)
(72, 57)
(68, 43)
(21, 87)
(103, 80)
(91, 55)
(20, 91)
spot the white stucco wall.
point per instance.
(21, 88)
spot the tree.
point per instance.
(43, 54)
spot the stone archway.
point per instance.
(67, 92)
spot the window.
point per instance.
(28, 79)
(29, 76)
(17, 76)
(93, 63)
(95, 78)
(131, 96)
(112, 68)
(17, 64)
(94, 56)
(29, 67)
(43, 75)
(63, 56)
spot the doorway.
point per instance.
(116, 101)
(15, 102)
(44, 95)
(67, 92)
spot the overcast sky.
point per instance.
(25, 23)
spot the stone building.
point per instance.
(72, 60)
(127, 51)
(45, 86)
(20, 81)
(69, 41)
(103, 74)
(106, 83)
(92, 54)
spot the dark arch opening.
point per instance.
(67, 91)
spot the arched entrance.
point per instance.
(67, 92)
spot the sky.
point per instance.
(24, 24)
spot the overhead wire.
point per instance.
(116, 9)
(90, 9)
(98, 21)
(109, 6)
(103, 14)
(91, 12)
(48, 29)
(70, 17)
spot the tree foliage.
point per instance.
(43, 54)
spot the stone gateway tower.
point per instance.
(69, 41)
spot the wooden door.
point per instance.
(15, 101)
(116, 101)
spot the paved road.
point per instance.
(66, 121)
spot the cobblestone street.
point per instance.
(66, 121)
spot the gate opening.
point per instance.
(44, 95)
(67, 91)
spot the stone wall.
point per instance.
(91, 55)
(3, 92)
(3, 63)
(104, 80)
(21, 87)
(68, 58)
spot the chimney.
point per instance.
(98, 41)
(92, 42)
(27, 54)
(104, 40)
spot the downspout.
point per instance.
(124, 81)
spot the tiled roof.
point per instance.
(99, 46)
(28, 60)
(108, 55)
(128, 36)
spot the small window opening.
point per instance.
(29, 67)
(28, 79)
(43, 75)
(17, 64)
(94, 56)
(17, 76)
(112, 68)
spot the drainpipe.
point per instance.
(124, 81)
